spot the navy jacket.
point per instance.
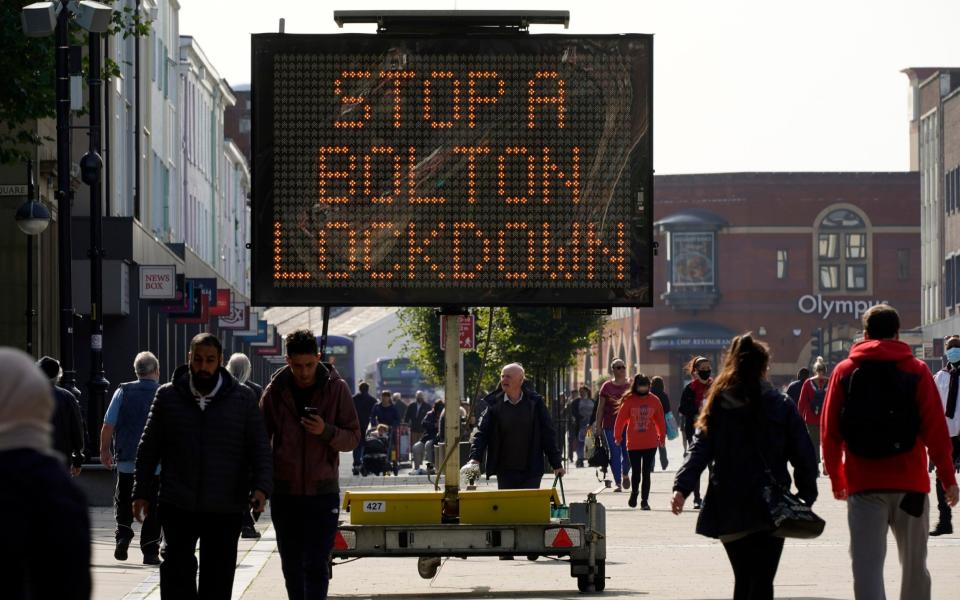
(543, 437)
(213, 459)
(67, 427)
(736, 436)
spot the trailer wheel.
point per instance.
(600, 578)
(427, 566)
(593, 583)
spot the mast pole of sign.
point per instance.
(451, 422)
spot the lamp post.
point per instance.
(32, 218)
(41, 19)
(91, 169)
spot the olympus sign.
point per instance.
(810, 304)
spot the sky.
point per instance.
(739, 85)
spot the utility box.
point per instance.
(393, 508)
(507, 506)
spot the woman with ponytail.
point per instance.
(745, 429)
(813, 394)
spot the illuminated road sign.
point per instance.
(452, 170)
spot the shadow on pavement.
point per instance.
(486, 592)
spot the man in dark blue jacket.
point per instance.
(123, 425)
(363, 402)
(68, 429)
(207, 431)
(515, 433)
(793, 390)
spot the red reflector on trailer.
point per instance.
(562, 537)
(345, 540)
(562, 540)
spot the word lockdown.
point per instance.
(461, 250)
(811, 304)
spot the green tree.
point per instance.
(542, 339)
(28, 64)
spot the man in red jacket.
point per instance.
(878, 464)
(310, 420)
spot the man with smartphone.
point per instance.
(310, 419)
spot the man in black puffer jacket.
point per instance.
(207, 431)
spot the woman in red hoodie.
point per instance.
(641, 416)
(813, 394)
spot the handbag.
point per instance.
(791, 518)
(672, 429)
(599, 458)
(789, 515)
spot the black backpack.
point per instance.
(819, 395)
(880, 417)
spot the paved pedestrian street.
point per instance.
(653, 555)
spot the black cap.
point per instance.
(50, 367)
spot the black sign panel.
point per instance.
(452, 170)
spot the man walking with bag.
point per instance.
(310, 420)
(882, 411)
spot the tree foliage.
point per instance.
(28, 64)
(542, 339)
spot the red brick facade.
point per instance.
(755, 215)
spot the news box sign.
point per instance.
(467, 170)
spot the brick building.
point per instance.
(793, 257)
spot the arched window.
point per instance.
(842, 248)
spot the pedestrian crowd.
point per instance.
(199, 457)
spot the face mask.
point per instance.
(953, 355)
(704, 374)
(643, 391)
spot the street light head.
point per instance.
(90, 166)
(39, 19)
(93, 16)
(32, 217)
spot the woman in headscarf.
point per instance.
(35, 486)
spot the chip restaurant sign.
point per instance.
(158, 282)
(441, 169)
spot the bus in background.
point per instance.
(396, 375)
(339, 352)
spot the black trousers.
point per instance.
(754, 559)
(306, 527)
(946, 515)
(513, 480)
(218, 534)
(123, 509)
(641, 461)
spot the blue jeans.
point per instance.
(358, 455)
(306, 527)
(619, 461)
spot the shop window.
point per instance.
(781, 264)
(828, 245)
(856, 277)
(843, 249)
(829, 277)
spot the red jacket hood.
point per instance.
(880, 350)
